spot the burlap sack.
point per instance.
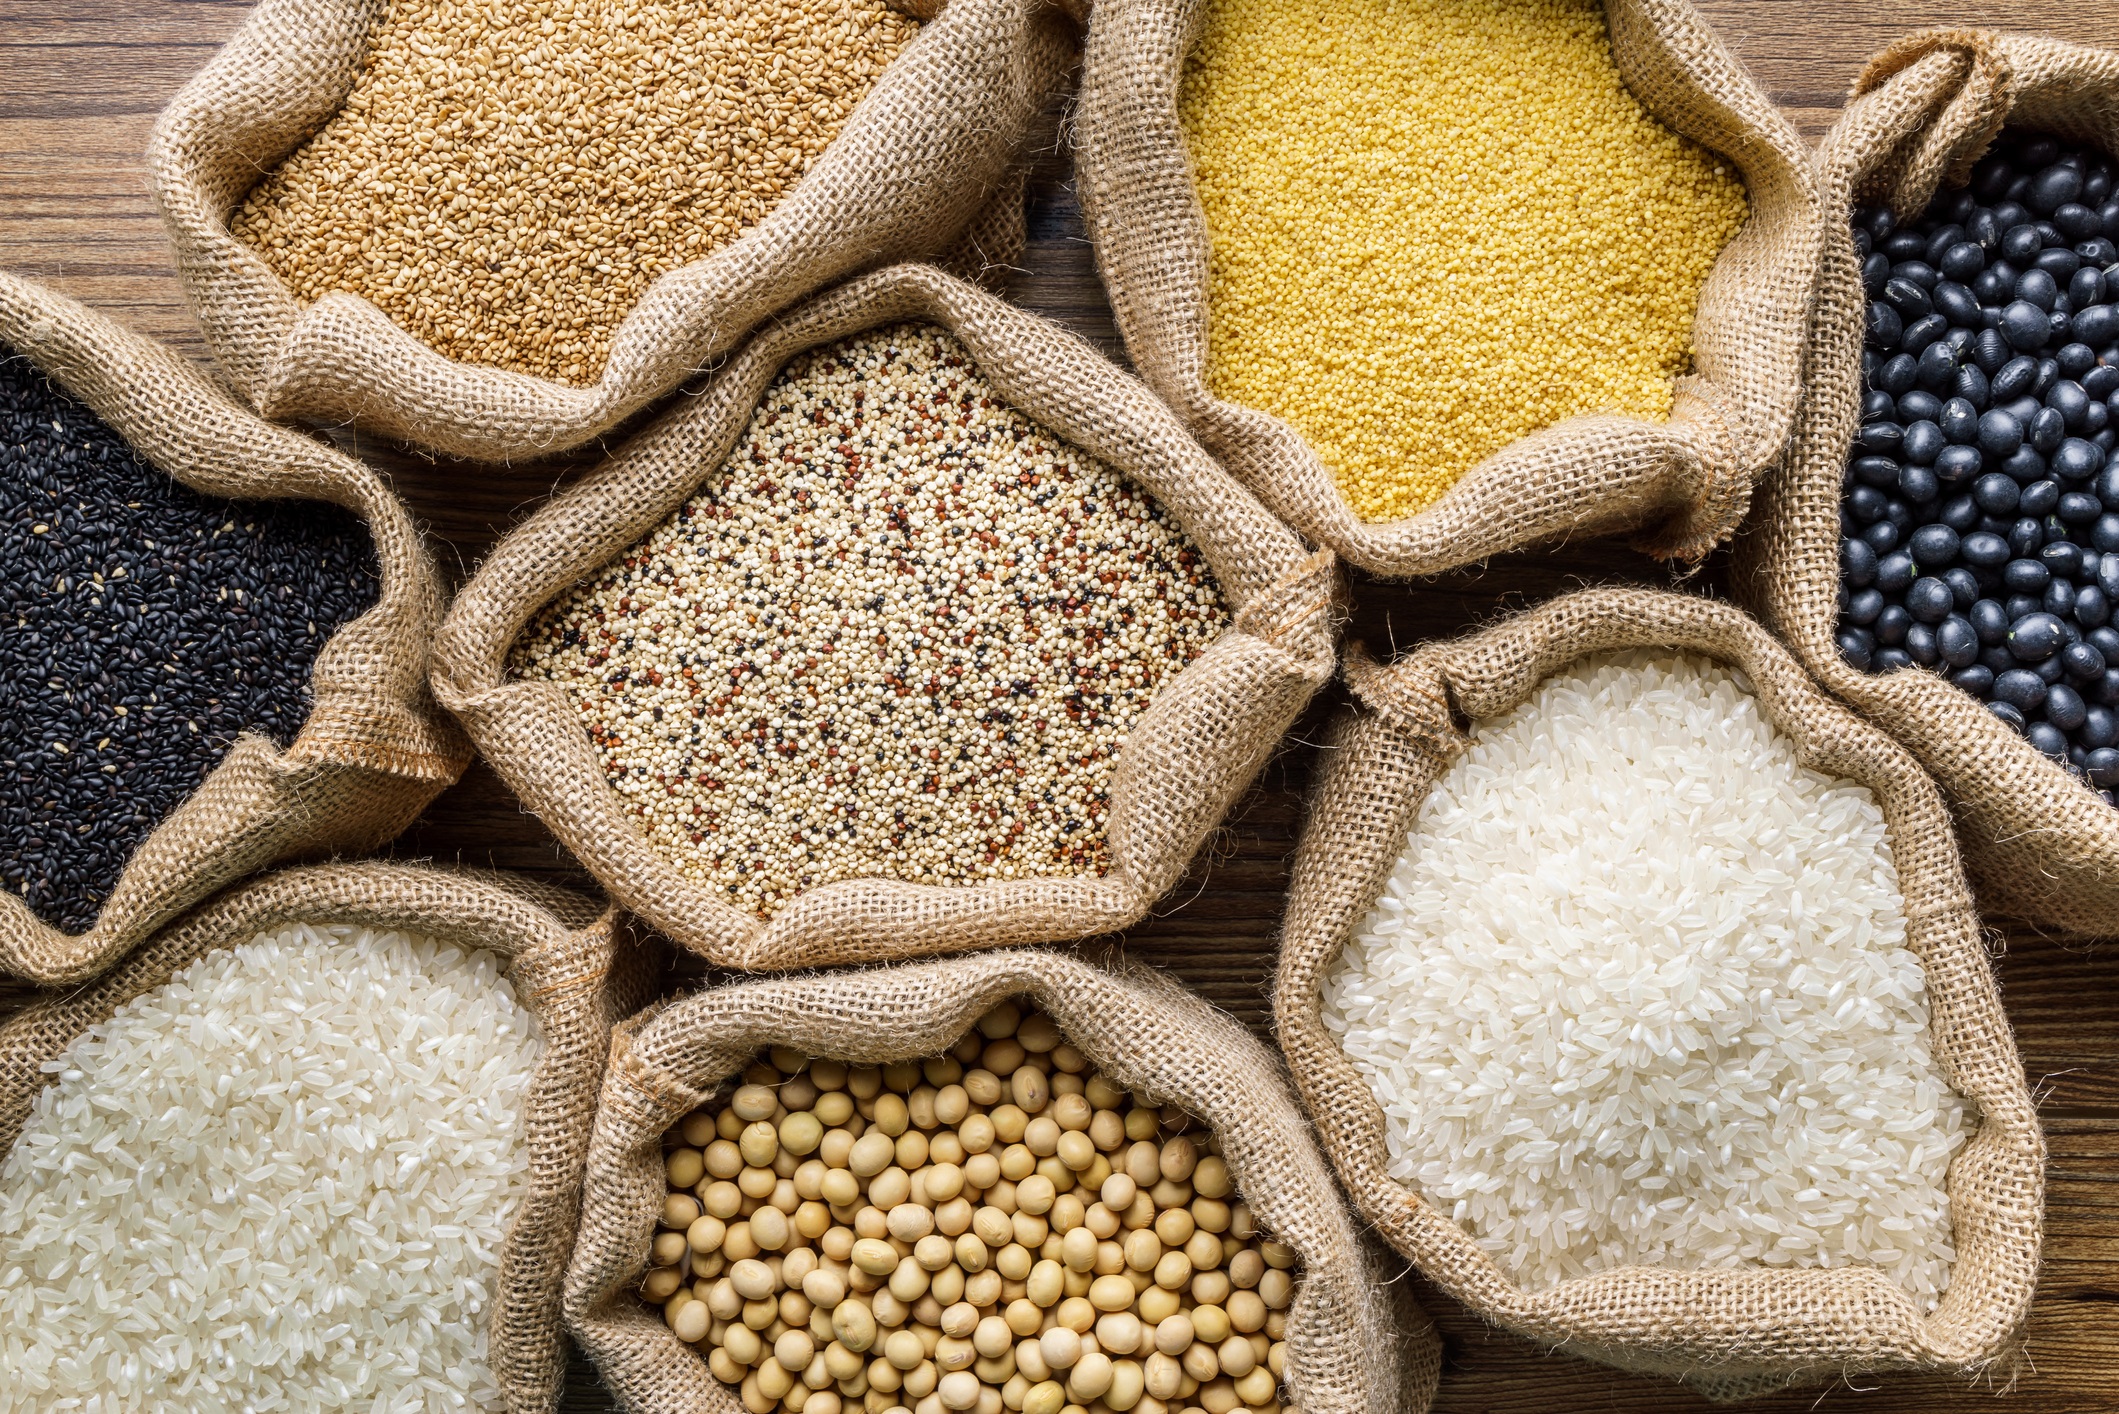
(1356, 1343)
(374, 750)
(1734, 1331)
(1684, 483)
(2039, 844)
(1208, 731)
(572, 969)
(936, 140)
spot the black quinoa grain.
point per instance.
(142, 628)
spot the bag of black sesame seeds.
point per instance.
(929, 166)
(1179, 643)
(574, 968)
(1356, 1341)
(216, 638)
(1683, 485)
(2040, 845)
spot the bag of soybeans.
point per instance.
(215, 635)
(501, 230)
(1636, 992)
(1438, 281)
(1942, 550)
(923, 628)
(317, 1146)
(1008, 1181)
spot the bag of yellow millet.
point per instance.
(1465, 277)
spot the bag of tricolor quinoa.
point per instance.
(502, 233)
(924, 628)
(1636, 103)
(1636, 992)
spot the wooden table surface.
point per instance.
(80, 83)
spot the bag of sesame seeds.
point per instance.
(929, 165)
(1356, 1343)
(1729, 1331)
(564, 588)
(373, 748)
(2040, 844)
(572, 967)
(1682, 484)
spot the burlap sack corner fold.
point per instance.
(1683, 484)
(571, 970)
(1356, 1343)
(1200, 742)
(2040, 845)
(1729, 1332)
(924, 169)
(374, 748)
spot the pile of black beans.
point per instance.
(142, 627)
(1981, 510)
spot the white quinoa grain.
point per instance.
(902, 634)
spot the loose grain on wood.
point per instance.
(76, 103)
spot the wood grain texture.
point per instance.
(80, 83)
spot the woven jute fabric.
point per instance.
(1356, 1344)
(1683, 484)
(374, 749)
(1732, 1331)
(573, 968)
(1202, 739)
(930, 165)
(2040, 845)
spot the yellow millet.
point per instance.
(1438, 225)
(507, 177)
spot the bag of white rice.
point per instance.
(1636, 991)
(317, 1146)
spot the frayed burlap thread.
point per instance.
(1729, 1332)
(374, 749)
(936, 143)
(2040, 845)
(1201, 741)
(1356, 1343)
(573, 968)
(1683, 484)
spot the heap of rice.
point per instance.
(1638, 992)
(278, 1182)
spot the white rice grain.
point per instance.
(280, 1181)
(1638, 992)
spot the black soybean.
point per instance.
(1982, 495)
(2015, 377)
(2023, 324)
(142, 628)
